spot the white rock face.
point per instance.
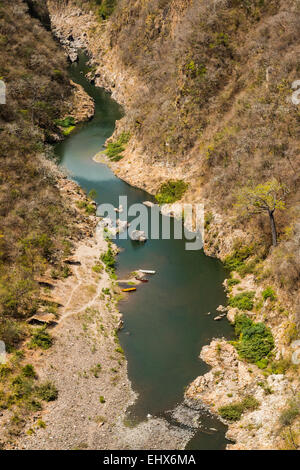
(230, 380)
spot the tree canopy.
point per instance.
(263, 197)
(266, 197)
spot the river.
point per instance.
(166, 321)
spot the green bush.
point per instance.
(255, 341)
(11, 332)
(231, 412)
(248, 267)
(47, 391)
(41, 424)
(235, 261)
(40, 339)
(279, 367)
(33, 405)
(290, 413)
(89, 208)
(106, 9)
(269, 293)
(250, 403)
(171, 191)
(234, 411)
(196, 70)
(98, 268)
(120, 350)
(67, 122)
(92, 194)
(115, 149)
(68, 130)
(241, 323)
(232, 282)
(262, 363)
(22, 387)
(4, 371)
(242, 301)
(108, 259)
(28, 371)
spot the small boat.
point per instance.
(142, 280)
(129, 289)
(146, 271)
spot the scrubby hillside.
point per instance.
(36, 224)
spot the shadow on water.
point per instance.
(166, 321)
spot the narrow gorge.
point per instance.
(157, 95)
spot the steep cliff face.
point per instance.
(38, 9)
(207, 88)
(208, 97)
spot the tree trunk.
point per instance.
(273, 228)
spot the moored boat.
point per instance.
(146, 271)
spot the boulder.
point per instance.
(138, 236)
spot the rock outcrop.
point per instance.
(38, 9)
(229, 381)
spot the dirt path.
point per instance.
(85, 363)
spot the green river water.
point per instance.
(165, 321)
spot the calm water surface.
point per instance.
(165, 321)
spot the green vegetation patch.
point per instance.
(243, 301)
(66, 122)
(255, 339)
(47, 391)
(28, 371)
(87, 206)
(108, 259)
(232, 282)
(68, 130)
(98, 268)
(290, 413)
(234, 411)
(106, 8)
(171, 191)
(269, 293)
(40, 339)
(11, 331)
(115, 149)
(195, 70)
(236, 261)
